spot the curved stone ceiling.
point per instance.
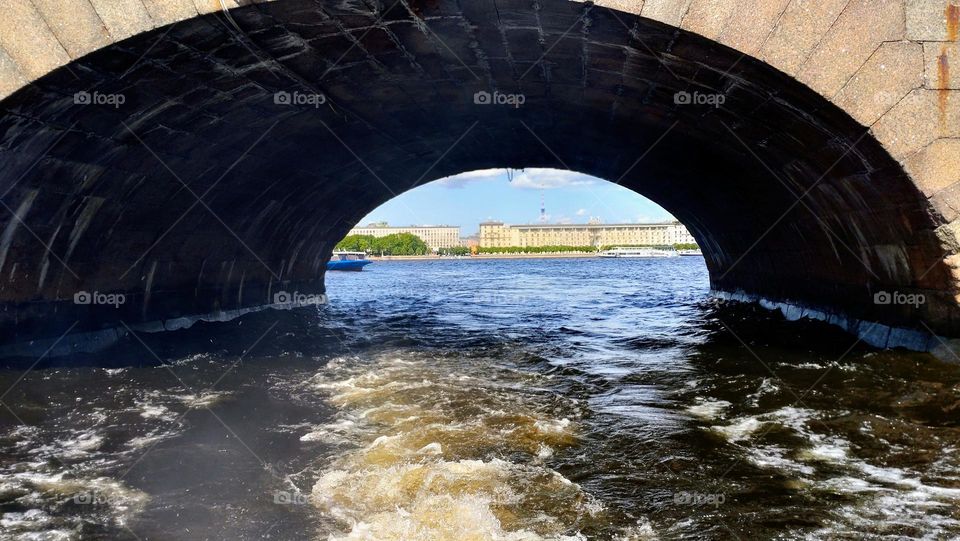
(198, 161)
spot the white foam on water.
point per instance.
(825, 452)
(151, 406)
(428, 442)
(189, 359)
(203, 400)
(335, 432)
(708, 409)
(149, 411)
(553, 425)
(33, 519)
(767, 386)
(145, 441)
(431, 449)
(112, 500)
(887, 500)
(775, 457)
(439, 500)
(806, 366)
(793, 417)
(739, 430)
(642, 531)
(81, 443)
(33, 525)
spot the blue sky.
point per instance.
(470, 198)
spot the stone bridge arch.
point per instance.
(145, 150)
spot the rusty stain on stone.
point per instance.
(943, 69)
(943, 78)
(952, 15)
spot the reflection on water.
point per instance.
(560, 399)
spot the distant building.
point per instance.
(470, 242)
(499, 235)
(435, 236)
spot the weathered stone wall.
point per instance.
(885, 62)
(829, 174)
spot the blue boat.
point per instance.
(348, 261)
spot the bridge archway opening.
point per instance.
(198, 168)
(513, 209)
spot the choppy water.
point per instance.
(482, 400)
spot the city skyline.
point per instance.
(467, 199)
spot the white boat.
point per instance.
(691, 252)
(639, 252)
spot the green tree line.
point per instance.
(396, 244)
(454, 250)
(410, 244)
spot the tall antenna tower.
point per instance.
(543, 207)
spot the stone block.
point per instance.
(942, 65)
(857, 33)
(936, 167)
(708, 17)
(666, 11)
(164, 12)
(76, 25)
(627, 6)
(932, 20)
(27, 39)
(212, 6)
(10, 77)
(920, 118)
(752, 22)
(123, 18)
(800, 29)
(892, 72)
(941, 203)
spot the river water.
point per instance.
(487, 400)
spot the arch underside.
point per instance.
(199, 194)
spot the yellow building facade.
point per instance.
(500, 235)
(434, 236)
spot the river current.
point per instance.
(558, 399)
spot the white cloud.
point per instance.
(549, 179)
(524, 179)
(582, 212)
(461, 180)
